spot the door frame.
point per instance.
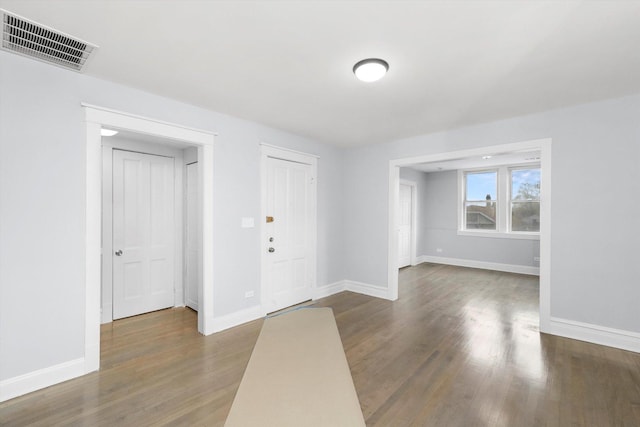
(269, 151)
(413, 235)
(544, 145)
(95, 118)
(185, 236)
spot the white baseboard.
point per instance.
(509, 268)
(367, 289)
(23, 384)
(618, 338)
(352, 286)
(247, 315)
(237, 318)
(328, 290)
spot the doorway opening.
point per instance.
(150, 250)
(97, 118)
(543, 147)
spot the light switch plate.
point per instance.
(248, 222)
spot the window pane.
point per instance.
(480, 215)
(481, 185)
(525, 216)
(525, 184)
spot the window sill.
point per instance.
(500, 235)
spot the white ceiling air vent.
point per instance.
(28, 38)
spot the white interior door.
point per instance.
(192, 260)
(143, 233)
(405, 210)
(289, 232)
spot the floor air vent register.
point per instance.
(28, 38)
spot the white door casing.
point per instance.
(544, 145)
(289, 240)
(95, 118)
(405, 220)
(143, 233)
(192, 252)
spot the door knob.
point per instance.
(272, 250)
(119, 252)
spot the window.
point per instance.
(501, 202)
(480, 200)
(525, 200)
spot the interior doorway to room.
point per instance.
(96, 119)
(289, 227)
(149, 226)
(457, 161)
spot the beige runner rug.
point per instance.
(297, 375)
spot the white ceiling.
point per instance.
(144, 138)
(288, 64)
(496, 159)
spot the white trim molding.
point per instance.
(237, 318)
(367, 289)
(172, 130)
(256, 312)
(36, 380)
(328, 290)
(275, 150)
(602, 335)
(484, 265)
(252, 313)
(95, 118)
(544, 145)
(351, 286)
(499, 235)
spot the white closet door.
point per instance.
(143, 233)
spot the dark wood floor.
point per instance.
(460, 347)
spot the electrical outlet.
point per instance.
(439, 250)
(536, 258)
(248, 294)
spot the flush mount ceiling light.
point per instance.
(371, 69)
(107, 132)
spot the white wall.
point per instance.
(437, 226)
(42, 202)
(595, 183)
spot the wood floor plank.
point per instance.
(460, 347)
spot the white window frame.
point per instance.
(503, 204)
(463, 206)
(510, 199)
